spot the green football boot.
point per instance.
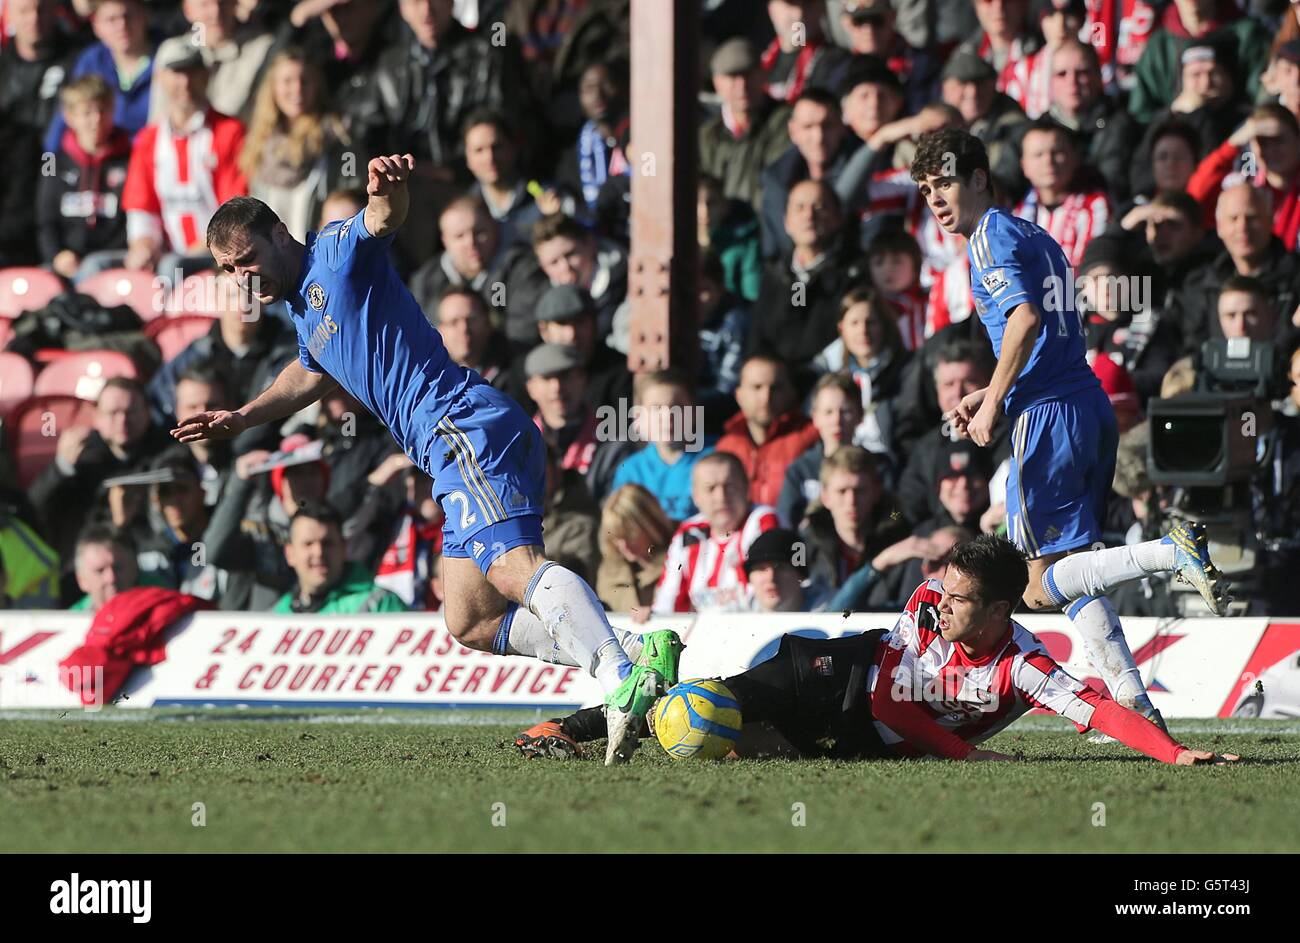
(625, 711)
(662, 652)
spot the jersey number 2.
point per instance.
(467, 517)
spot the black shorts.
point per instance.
(813, 692)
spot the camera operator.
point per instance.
(1243, 480)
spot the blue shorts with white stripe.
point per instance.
(488, 465)
(1062, 465)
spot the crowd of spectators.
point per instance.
(803, 463)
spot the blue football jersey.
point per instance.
(357, 321)
(1013, 261)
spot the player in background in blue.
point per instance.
(1064, 434)
(360, 328)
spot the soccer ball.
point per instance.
(697, 720)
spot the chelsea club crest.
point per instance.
(316, 296)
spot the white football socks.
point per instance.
(522, 633)
(1097, 572)
(575, 620)
(1107, 650)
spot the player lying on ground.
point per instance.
(1063, 430)
(359, 327)
(954, 670)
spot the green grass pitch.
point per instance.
(129, 780)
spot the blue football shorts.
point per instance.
(1062, 465)
(488, 464)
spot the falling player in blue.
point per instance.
(1063, 431)
(360, 328)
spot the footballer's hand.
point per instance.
(989, 755)
(980, 428)
(641, 615)
(384, 175)
(218, 424)
(969, 406)
(1204, 758)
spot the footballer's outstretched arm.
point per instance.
(1045, 684)
(389, 196)
(294, 388)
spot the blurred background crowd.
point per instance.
(1159, 142)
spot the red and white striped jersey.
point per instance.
(909, 311)
(178, 177)
(704, 572)
(1119, 30)
(1013, 77)
(1073, 223)
(929, 697)
(1029, 82)
(950, 296)
(894, 192)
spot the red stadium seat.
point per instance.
(34, 429)
(82, 374)
(16, 380)
(26, 289)
(172, 335)
(143, 291)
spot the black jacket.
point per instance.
(608, 380)
(512, 284)
(824, 555)
(1110, 137)
(79, 205)
(421, 97)
(1198, 303)
(20, 166)
(1147, 342)
(67, 502)
(796, 333)
(1212, 127)
(776, 182)
(916, 408)
(29, 90)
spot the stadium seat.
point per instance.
(26, 289)
(16, 380)
(172, 335)
(82, 374)
(143, 291)
(34, 428)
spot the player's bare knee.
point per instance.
(511, 572)
(473, 630)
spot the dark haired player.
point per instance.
(360, 328)
(1064, 433)
(954, 670)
